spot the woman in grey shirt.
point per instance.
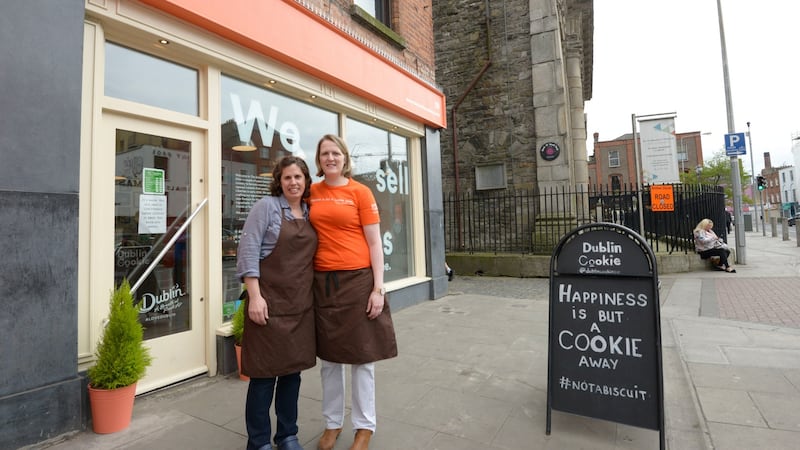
(275, 260)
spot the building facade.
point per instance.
(139, 130)
(516, 75)
(613, 163)
(788, 188)
(780, 195)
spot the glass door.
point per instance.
(157, 187)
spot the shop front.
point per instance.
(186, 109)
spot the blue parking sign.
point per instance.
(735, 145)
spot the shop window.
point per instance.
(139, 77)
(380, 161)
(259, 126)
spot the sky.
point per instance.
(653, 57)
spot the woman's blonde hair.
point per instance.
(703, 224)
(346, 169)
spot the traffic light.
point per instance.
(762, 183)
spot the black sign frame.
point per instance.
(604, 347)
(549, 151)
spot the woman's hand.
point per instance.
(375, 305)
(257, 309)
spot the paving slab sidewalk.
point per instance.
(472, 374)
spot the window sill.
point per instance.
(378, 27)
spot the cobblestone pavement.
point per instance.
(771, 301)
(765, 300)
(507, 287)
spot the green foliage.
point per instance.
(237, 324)
(717, 172)
(122, 358)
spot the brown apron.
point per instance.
(286, 343)
(344, 332)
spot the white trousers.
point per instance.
(362, 380)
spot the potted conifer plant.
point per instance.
(237, 329)
(121, 361)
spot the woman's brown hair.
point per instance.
(275, 188)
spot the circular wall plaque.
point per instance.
(549, 151)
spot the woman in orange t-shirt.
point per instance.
(354, 324)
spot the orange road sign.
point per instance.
(662, 198)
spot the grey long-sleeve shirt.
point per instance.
(260, 233)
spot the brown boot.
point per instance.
(361, 441)
(328, 439)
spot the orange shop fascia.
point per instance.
(289, 33)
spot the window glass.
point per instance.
(380, 161)
(490, 176)
(613, 158)
(146, 221)
(379, 9)
(616, 185)
(259, 126)
(138, 77)
(367, 5)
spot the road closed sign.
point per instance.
(662, 198)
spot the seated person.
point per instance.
(708, 245)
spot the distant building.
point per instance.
(780, 196)
(613, 163)
(788, 188)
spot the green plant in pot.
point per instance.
(121, 361)
(237, 330)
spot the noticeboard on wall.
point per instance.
(604, 352)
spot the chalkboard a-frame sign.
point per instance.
(604, 352)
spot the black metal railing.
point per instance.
(532, 222)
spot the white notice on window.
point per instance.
(152, 214)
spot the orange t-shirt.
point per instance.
(339, 213)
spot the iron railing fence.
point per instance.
(533, 221)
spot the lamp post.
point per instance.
(736, 182)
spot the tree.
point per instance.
(717, 172)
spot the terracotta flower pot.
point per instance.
(238, 349)
(111, 409)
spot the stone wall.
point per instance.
(538, 266)
(494, 122)
(516, 74)
(40, 388)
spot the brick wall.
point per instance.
(411, 19)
